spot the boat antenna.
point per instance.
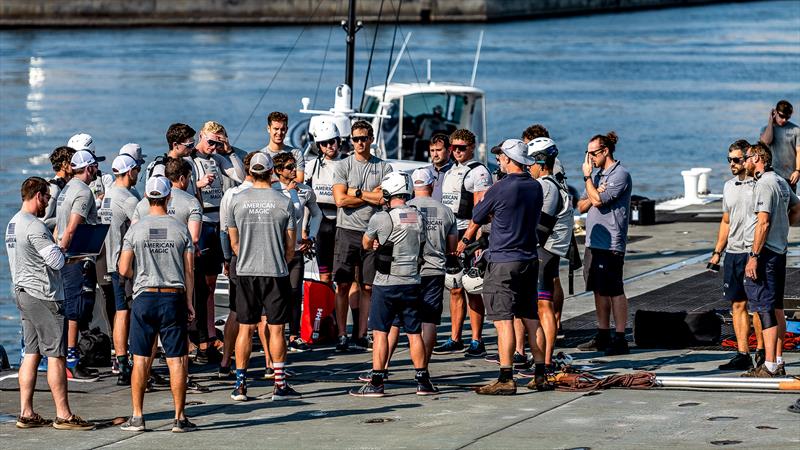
(477, 58)
(371, 53)
(399, 57)
(351, 27)
(429, 71)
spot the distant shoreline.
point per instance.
(143, 13)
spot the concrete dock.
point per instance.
(326, 417)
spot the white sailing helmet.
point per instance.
(397, 183)
(325, 131)
(473, 281)
(453, 280)
(542, 147)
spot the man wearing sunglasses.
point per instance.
(783, 139)
(277, 127)
(211, 169)
(607, 200)
(180, 142)
(765, 272)
(735, 238)
(358, 195)
(463, 187)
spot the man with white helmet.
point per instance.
(400, 237)
(118, 207)
(555, 235)
(319, 175)
(84, 141)
(76, 205)
(513, 206)
(464, 185)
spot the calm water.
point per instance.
(678, 86)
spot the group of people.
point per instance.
(390, 243)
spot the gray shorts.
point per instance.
(44, 326)
(509, 290)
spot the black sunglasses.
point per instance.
(327, 143)
(188, 144)
(458, 147)
(215, 143)
(783, 116)
(735, 160)
(290, 166)
(360, 138)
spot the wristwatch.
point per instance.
(716, 253)
(465, 240)
(586, 178)
(358, 193)
(754, 255)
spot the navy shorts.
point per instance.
(232, 282)
(211, 258)
(159, 314)
(78, 296)
(269, 296)
(122, 295)
(765, 293)
(602, 271)
(733, 276)
(548, 272)
(390, 302)
(349, 256)
(431, 290)
(326, 237)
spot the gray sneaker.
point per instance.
(183, 426)
(135, 423)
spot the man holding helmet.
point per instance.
(400, 237)
(513, 205)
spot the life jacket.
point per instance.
(321, 181)
(408, 230)
(454, 195)
(211, 195)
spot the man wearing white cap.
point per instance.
(84, 141)
(130, 149)
(513, 206)
(158, 255)
(76, 205)
(118, 207)
(261, 219)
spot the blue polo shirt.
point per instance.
(513, 205)
(607, 225)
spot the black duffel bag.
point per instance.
(95, 348)
(672, 330)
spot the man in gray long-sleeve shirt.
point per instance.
(607, 200)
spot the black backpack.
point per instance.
(95, 348)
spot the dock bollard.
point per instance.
(690, 180)
(702, 179)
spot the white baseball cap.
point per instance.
(134, 151)
(84, 158)
(123, 164)
(81, 141)
(260, 163)
(516, 150)
(158, 187)
(422, 177)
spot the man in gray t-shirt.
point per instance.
(776, 206)
(783, 139)
(261, 228)
(400, 236)
(357, 192)
(277, 127)
(735, 237)
(157, 253)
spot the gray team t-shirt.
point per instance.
(26, 235)
(50, 213)
(557, 203)
(298, 156)
(158, 244)
(403, 226)
(772, 195)
(607, 225)
(364, 175)
(77, 198)
(261, 216)
(785, 141)
(737, 201)
(440, 222)
(117, 209)
(183, 206)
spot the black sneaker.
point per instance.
(476, 349)
(760, 357)
(183, 426)
(368, 390)
(224, 373)
(193, 387)
(618, 347)
(597, 344)
(79, 374)
(158, 380)
(740, 361)
(284, 393)
(521, 362)
(124, 378)
(343, 345)
(239, 393)
(209, 355)
(135, 423)
(367, 376)
(449, 346)
(425, 387)
(298, 346)
(360, 344)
